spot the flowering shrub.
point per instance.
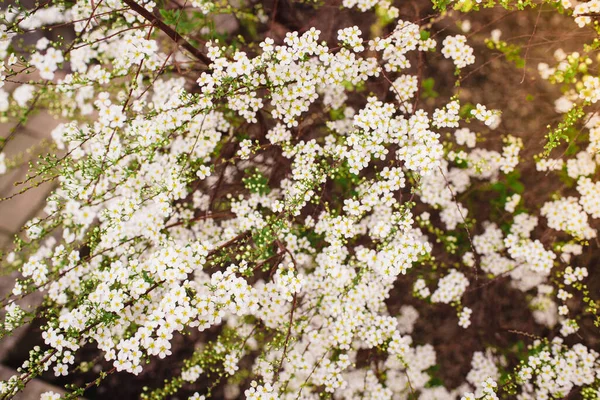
(304, 209)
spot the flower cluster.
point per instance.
(456, 48)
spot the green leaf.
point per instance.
(170, 17)
(517, 187)
(499, 187)
(427, 86)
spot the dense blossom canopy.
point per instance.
(272, 202)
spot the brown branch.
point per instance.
(176, 37)
(287, 337)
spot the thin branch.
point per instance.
(176, 37)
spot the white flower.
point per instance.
(22, 94)
(456, 47)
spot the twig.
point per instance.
(176, 37)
